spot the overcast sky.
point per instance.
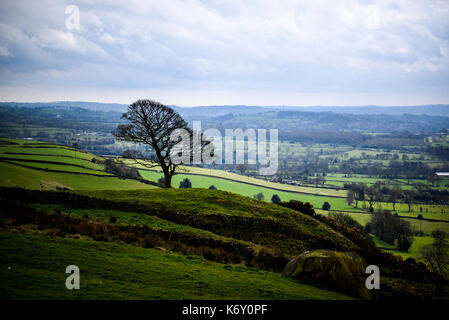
(227, 52)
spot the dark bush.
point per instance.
(304, 207)
(404, 243)
(326, 206)
(185, 183)
(275, 199)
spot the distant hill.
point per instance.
(204, 112)
(97, 106)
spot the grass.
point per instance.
(426, 226)
(234, 216)
(125, 219)
(15, 176)
(33, 267)
(413, 251)
(64, 159)
(250, 190)
(245, 179)
(60, 167)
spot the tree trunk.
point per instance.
(167, 178)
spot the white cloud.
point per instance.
(285, 46)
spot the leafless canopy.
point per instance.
(151, 123)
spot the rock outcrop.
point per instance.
(340, 271)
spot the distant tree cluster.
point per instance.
(391, 229)
(346, 220)
(379, 192)
(118, 168)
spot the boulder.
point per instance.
(340, 271)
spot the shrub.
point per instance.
(304, 207)
(326, 206)
(259, 196)
(185, 183)
(113, 219)
(121, 170)
(405, 242)
(275, 199)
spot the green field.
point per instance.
(33, 267)
(74, 161)
(16, 176)
(250, 190)
(263, 183)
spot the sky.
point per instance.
(297, 53)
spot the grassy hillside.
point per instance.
(141, 259)
(115, 224)
(39, 165)
(221, 213)
(33, 267)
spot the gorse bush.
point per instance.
(304, 207)
(346, 220)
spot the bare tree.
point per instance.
(409, 196)
(436, 254)
(350, 197)
(395, 196)
(372, 195)
(151, 123)
(241, 168)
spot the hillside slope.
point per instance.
(39, 165)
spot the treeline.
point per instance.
(61, 117)
(380, 192)
(396, 140)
